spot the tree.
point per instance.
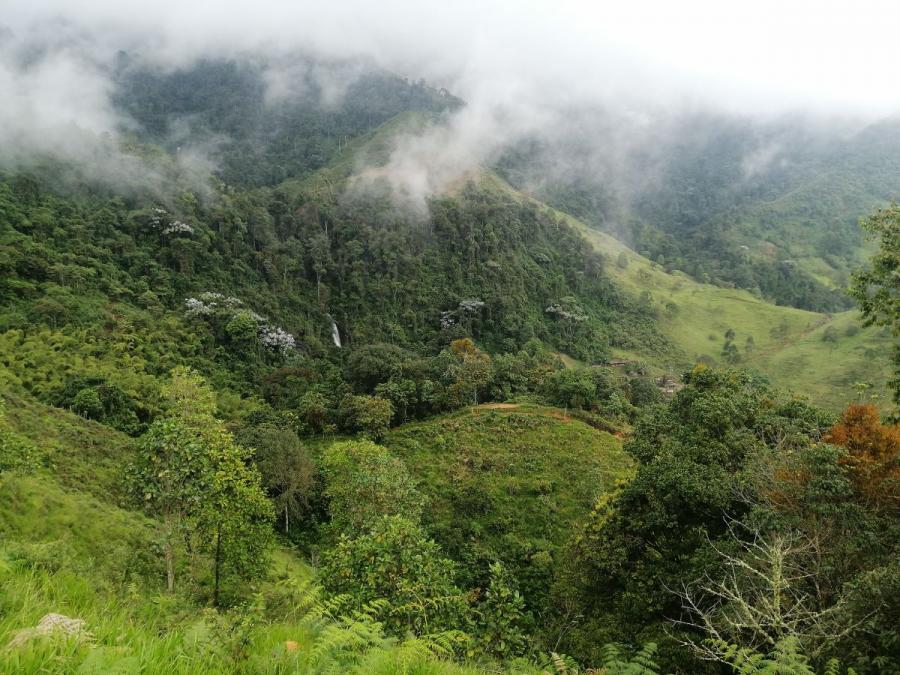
(234, 521)
(468, 374)
(577, 387)
(761, 596)
(191, 475)
(643, 392)
(313, 412)
(242, 331)
(286, 467)
(693, 471)
(873, 455)
(396, 561)
(877, 288)
(364, 482)
(370, 365)
(401, 393)
(369, 415)
(729, 349)
(501, 617)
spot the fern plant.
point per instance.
(787, 658)
(614, 662)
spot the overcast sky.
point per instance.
(761, 57)
(764, 54)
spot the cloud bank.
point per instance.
(522, 67)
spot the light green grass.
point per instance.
(68, 546)
(509, 484)
(787, 342)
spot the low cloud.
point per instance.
(609, 77)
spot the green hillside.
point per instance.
(68, 546)
(282, 422)
(768, 205)
(509, 482)
(788, 344)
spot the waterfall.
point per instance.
(335, 334)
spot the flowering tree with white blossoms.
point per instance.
(222, 309)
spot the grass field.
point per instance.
(788, 344)
(509, 482)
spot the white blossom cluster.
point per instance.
(468, 307)
(210, 303)
(567, 314)
(276, 339)
(159, 220)
(213, 304)
(157, 216)
(178, 227)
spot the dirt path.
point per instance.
(497, 406)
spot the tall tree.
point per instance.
(192, 475)
(877, 288)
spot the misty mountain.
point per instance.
(770, 206)
(261, 123)
(767, 205)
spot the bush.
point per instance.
(369, 415)
(364, 482)
(396, 562)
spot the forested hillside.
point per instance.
(772, 207)
(263, 415)
(264, 123)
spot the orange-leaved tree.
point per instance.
(873, 454)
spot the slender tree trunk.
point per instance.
(169, 551)
(287, 527)
(170, 567)
(218, 563)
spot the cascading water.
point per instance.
(335, 334)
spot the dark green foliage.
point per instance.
(270, 137)
(573, 388)
(286, 467)
(482, 297)
(876, 287)
(135, 302)
(500, 617)
(643, 392)
(363, 483)
(371, 365)
(96, 399)
(694, 457)
(191, 475)
(368, 415)
(396, 562)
